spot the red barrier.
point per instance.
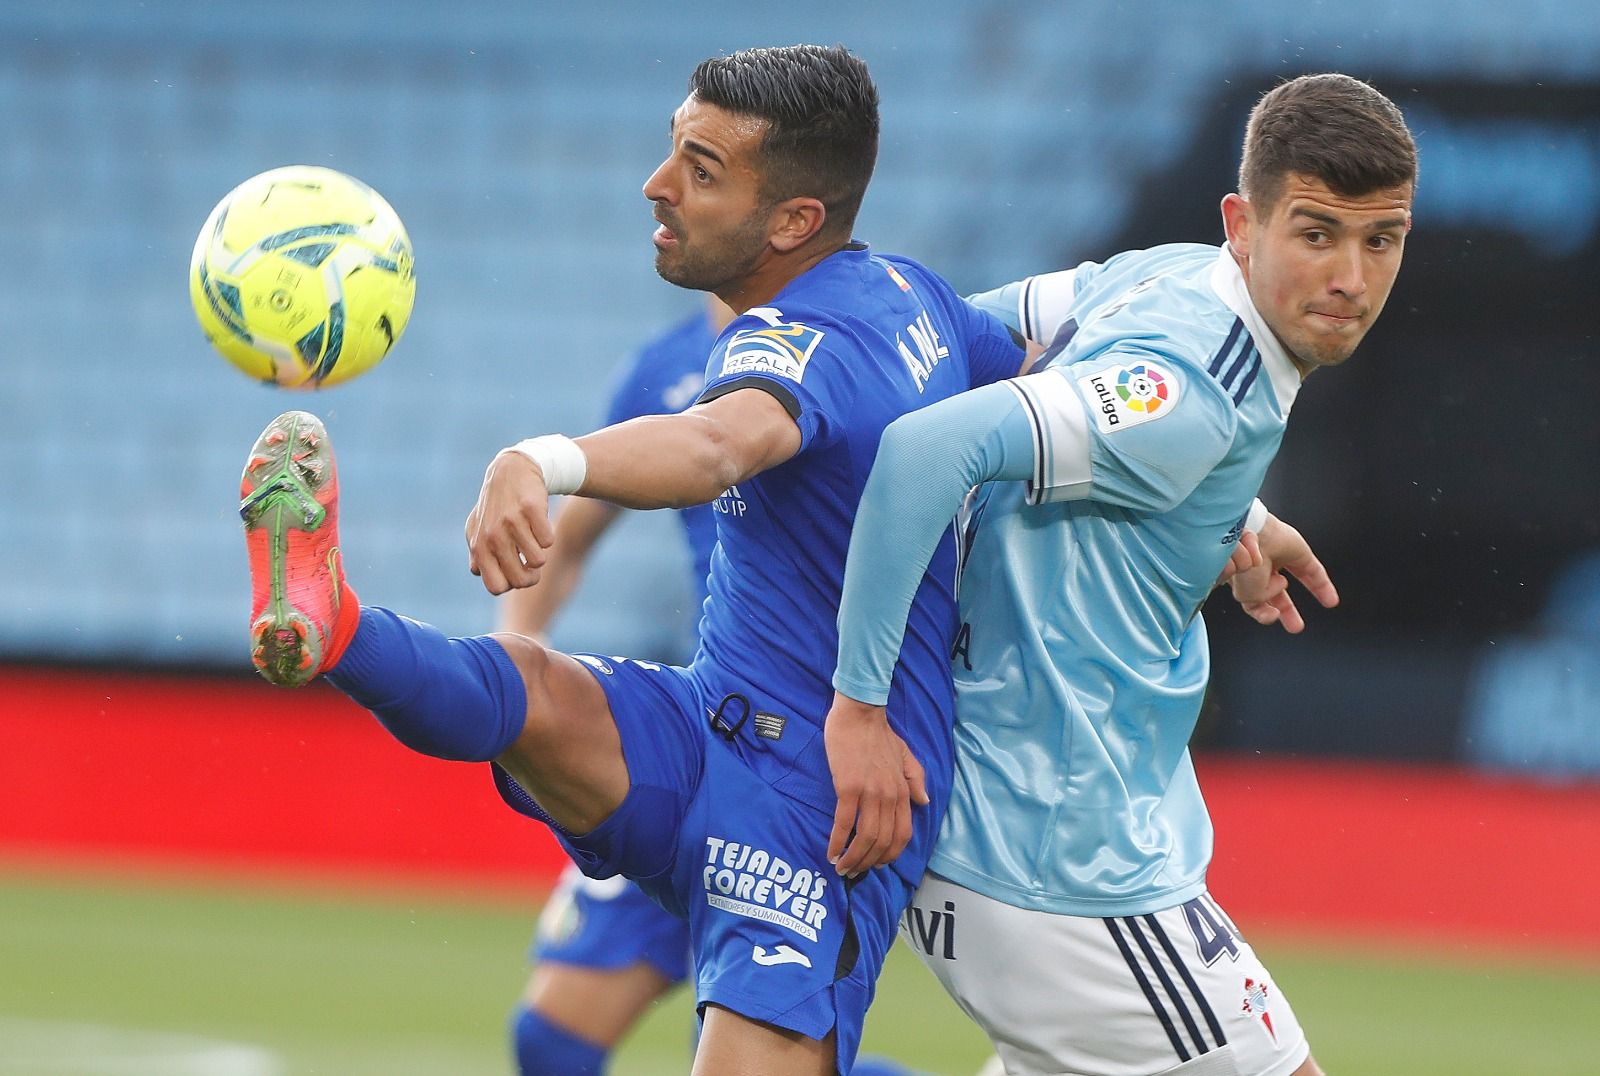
(229, 773)
(233, 773)
(1406, 850)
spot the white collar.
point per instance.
(1228, 282)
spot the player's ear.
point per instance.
(794, 221)
(1236, 224)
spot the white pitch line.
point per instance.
(52, 1047)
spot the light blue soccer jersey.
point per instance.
(1082, 660)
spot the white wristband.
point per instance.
(562, 461)
(1254, 519)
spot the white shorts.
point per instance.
(1178, 991)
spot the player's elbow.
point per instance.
(716, 461)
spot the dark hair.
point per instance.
(822, 113)
(1331, 127)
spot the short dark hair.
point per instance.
(1330, 127)
(821, 108)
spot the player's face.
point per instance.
(707, 196)
(1320, 265)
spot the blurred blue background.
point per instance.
(1445, 475)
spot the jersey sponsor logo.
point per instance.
(730, 503)
(781, 350)
(932, 932)
(782, 954)
(1125, 396)
(754, 883)
(1255, 1004)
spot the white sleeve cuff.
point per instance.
(1043, 302)
(1256, 518)
(1061, 470)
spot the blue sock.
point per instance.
(546, 1050)
(459, 699)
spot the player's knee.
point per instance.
(533, 662)
(543, 1049)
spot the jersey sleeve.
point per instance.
(926, 463)
(994, 349)
(1038, 306)
(794, 359)
(1127, 427)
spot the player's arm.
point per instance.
(1034, 309)
(579, 524)
(926, 463)
(660, 461)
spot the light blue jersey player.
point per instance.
(709, 786)
(1066, 905)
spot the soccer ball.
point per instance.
(302, 277)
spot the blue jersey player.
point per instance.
(1066, 906)
(709, 786)
(604, 951)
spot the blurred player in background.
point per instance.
(1065, 906)
(604, 951)
(710, 785)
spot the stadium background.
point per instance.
(1443, 475)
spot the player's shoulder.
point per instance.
(778, 341)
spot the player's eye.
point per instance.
(1316, 237)
(701, 174)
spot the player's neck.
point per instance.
(774, 272)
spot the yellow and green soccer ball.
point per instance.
(302, 277)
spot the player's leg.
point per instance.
(735, 1045)
(496, 697)
(571, 1018)
(603, 953)
(1176, 992)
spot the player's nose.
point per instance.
(656, 188)
(1349, 271)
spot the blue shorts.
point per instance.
(776, 934)
(608, 924)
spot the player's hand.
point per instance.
(877, 780)
(509, 528)
(1246, 555)
(1263, 591)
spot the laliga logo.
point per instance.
(1142, 389)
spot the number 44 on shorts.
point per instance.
(1213, 934)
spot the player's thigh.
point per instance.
(569, 754)
(779, 937)
(734, 1045)
(1177, 991)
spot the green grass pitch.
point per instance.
(107, 975)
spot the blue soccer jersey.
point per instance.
(666, 377)
(847, 347)
(1135, 453)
